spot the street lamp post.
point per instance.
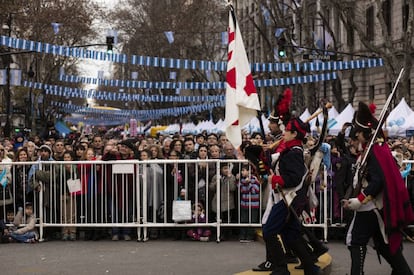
(7, 89)
(7, 97)
(29, 119)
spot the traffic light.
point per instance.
(109, 44)
(281, 49)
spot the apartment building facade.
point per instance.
(349, 30)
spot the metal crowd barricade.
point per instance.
(406, 182)
(136, 194)
(17, 183)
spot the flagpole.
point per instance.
(242, 101)
(262, 130)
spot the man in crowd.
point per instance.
(98, 145)
(189, 151)
(122, 190)
(58, 150)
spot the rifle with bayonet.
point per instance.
(354, 190)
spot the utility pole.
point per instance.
(7, 92)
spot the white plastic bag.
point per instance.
(181, 211)
(74, 185)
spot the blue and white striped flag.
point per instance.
(170, 36)
(15, 77)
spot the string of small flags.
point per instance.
(172, 63)
(67, 92)
(142, 114)
(191, 85)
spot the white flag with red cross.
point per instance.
(242, 101)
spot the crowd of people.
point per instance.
(198, 182)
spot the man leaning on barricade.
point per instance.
(41, 179)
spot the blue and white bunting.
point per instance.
(172, 63)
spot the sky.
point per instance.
(106, 3)
(89, 67)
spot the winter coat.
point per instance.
(227, 188)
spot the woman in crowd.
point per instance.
(31, 151)
(69, 172)
(79, 151)
(156, 152)
(175, 181)
(177, 145)
(20, 174)
(206, 171)
(90, 195)
(153, 175)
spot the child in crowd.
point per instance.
(249, 203)
(68, 199)
(28, 233)
(227, 189)
(179, 234)
(6, 230)
(199, 233)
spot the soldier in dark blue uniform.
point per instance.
(287, 179)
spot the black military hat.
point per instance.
(281, 112)
(364, 120)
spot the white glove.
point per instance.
(354, 204)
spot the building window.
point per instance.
(388, 88)
(370, 23)
(371, 93)
(350, 31)
(386, 13)
(405, 15)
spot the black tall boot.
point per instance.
(302, 251)
(290, 256)
(399, 264)
(266, 265)
(397, 261)
(318, 248)
(358, 258)
(313, 252)
(276, 256)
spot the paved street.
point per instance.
(160, 257)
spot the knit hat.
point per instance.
(45, 147)
(128, 144)
(298, 126)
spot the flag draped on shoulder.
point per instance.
(242, 101)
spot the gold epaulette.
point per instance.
(367, 199)
(380, 140)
